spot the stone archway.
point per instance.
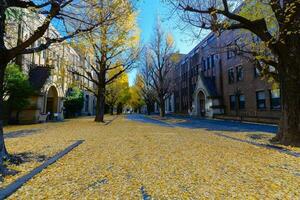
(202, 103)
(52, 100)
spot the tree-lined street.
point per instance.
(129, 159)
(152, 99)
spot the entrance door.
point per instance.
(52, 102)
(202, 104)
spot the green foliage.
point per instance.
(73, 102)
(17, 88)
(14, 14)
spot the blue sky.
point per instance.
(149, 11)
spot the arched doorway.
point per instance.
(201, 97)
(52, 101)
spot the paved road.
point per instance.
(209, 124)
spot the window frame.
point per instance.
(232, 106)
(239, 100)
(257, 100)
(230, 53)
(257, 72)
(272, 99)
(237, 73)
(230, 81)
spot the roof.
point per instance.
(210, 85)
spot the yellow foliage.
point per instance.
(115, 161)
(118, 90)
(170, 40)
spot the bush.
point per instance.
(73, 102)
(17, 90)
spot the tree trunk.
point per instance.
(162, 110)
(3, 151)
(3, 64)
(289, 76)
(9, 112)
(119, 109)
(148, 109)
(100, 106)
(19, 58)
(18, 116)
(289, 127)
(112, 110)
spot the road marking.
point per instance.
(14, 186)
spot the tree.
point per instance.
(117, 92)
(73, 102)
(161, 51)
(143, 82)
(17, 90)
(75, 19)
(136, 99)
(281, 41)
(123, 99)
(114, 45)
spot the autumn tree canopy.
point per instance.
(160, 51)
(117, 93)
(113, 46)
(73, 17)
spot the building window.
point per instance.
(203, 65)
(230, 75)
(256, 72)
(275, 99)
(232, 102)
(212, 61)
(239, 73)
(208, 63)
(230, 52)
(261, 100)
(44, 54)
(242, 101)
(87, 100)
(58, 61)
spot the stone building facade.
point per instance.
(215, 80)
(47, 71)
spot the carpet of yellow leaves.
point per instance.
(116, 160)
(259, 137)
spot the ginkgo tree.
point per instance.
(136, 101)
(143, 81)
(73, 16)
(281, 41)
(117, 92)
(113, 45)
(161, 50)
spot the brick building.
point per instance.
(215, 80)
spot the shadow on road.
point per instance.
(208, 124)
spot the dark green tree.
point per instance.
(17, 90)
(74, 102)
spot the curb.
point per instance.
(14, 186)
